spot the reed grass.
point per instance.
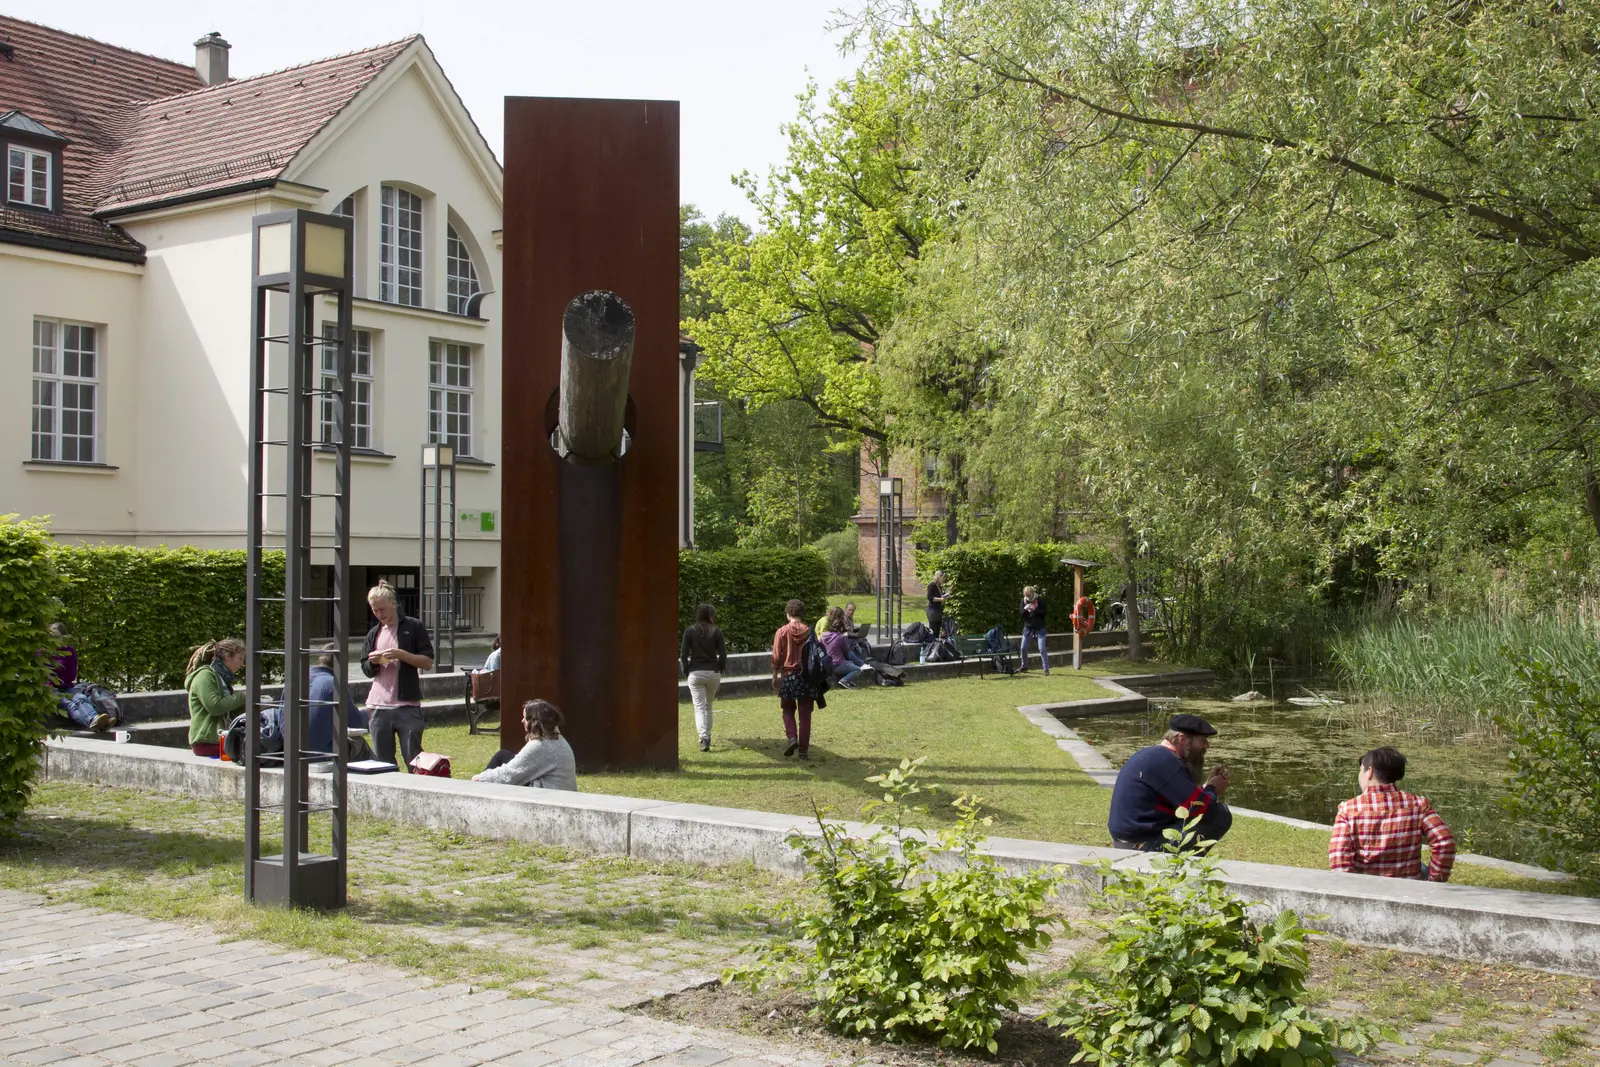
(1456, 673)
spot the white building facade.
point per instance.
(125, 236)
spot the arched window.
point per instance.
(461, 278)
(400, 247)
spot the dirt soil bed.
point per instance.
(784, 1015)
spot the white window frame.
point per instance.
(58, 380)
(450, 370)
(346, 208)
(38, 190)
(400, 246)
(363, 384)
(461, 275)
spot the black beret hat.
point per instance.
(1191, 724)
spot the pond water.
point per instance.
(1302, 762)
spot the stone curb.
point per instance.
(1466, 922)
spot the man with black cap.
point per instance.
(1157, 781)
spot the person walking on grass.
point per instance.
(544, 762)
(396, 650)
(213, 702)
(835, 637)
(1034, 628)
(795, 694)
(1382, 831)
(704, 656)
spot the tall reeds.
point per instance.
(1454, 674)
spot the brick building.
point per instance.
(924, 503)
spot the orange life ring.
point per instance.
(1083, 616)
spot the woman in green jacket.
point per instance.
(212, 700)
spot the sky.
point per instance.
(735, 65)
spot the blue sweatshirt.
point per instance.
(320, 697)
(1151, 786)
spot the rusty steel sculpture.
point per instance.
(589, 541)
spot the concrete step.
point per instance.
(174, 733)
(174, 703)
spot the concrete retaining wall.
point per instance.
(1530, 929)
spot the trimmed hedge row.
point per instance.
(135, 613)
(749, 587)
(986, 580)
(28, 589)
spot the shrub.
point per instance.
(1185, 977)
(29, 585)
(749, 587)
(135, 613)
(986, 580)
(898, 948)
(1555, 766)
(842, 550)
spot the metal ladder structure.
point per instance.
(300, 383)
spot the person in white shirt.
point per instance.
(545, 762)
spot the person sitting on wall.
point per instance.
(835, 637)
(545, 762)
(320, 694)
(213, 702)
(1381, 831)
(1157, 781)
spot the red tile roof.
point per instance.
(143, 129)
(235, 132)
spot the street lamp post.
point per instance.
(300, 399)
(436, 578)
(891, 551)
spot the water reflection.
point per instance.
(1302, 762)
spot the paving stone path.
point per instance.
(84, 988)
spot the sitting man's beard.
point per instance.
(1196, 762)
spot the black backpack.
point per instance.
(816, 666)
(917, 633)
(271, 737)
(943, 651)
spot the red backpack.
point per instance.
(431, 764)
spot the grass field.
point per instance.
(972, 737)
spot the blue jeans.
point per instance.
(851, 667)
(77, 707)
(1038, 639)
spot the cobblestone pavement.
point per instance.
(84, 988)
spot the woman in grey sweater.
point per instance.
(545, 762)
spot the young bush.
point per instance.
(1185, 978)
(29, 586)
(898, 948)
(842, 550)
(135, 613)
(1555, 766)
(986, 578)
(749, 587)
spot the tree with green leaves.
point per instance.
(1305, 292)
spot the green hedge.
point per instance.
(749, 587)
(986, 580)
(28, 589)
(135, 613)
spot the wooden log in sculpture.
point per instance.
(596, 358)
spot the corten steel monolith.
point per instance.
(589, 545)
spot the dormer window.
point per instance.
(33, 161)
(28, 176)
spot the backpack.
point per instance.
(999, 647)
(816, 666)
(917, 633)
(431, 764)
(233, 743)
(943, 651)
(862, 647)
(888, 675)
(104, 701)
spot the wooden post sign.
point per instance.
(589, 540)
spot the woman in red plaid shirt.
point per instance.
(1382, 830)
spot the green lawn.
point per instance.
(973, 739)
(914, 610)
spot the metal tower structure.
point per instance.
(891, 552)
(300, 392)
(436, 578)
